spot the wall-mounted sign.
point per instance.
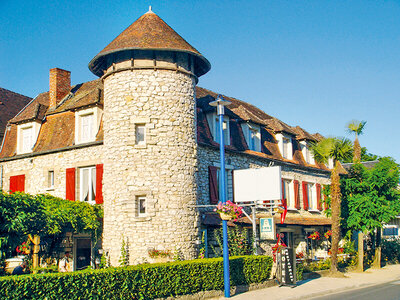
(267, 229)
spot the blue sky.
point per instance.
(317, 64)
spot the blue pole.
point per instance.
(227, 286)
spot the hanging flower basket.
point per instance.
(225, 217)
(229, 211)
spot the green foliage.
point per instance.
(326, 192)
(336, 148)
(124, 258)
(239, 242)
(317, 265)
(356, 127)
(370, 196)
(137, 282)
(391, 251)
(22, 214)
(365, 156)
(299, 272)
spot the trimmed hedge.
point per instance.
(137, 282)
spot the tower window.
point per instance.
(140, 134)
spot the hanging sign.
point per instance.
(267, 229)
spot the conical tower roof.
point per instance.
(150, 33)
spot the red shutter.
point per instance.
(70, 184)
(213, 184)
(284, 200)
(17, 183)
(99, 184)
(319, 203)
(305, 196)
(296, 194)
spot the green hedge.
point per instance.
(137, 282)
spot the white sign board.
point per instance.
(258, 184)
(267, 229)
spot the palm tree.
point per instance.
(337, 149)
(357, 128)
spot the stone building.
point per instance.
(142, 141)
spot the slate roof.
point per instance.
(58, 125)
(240, 111)
(10, 104)
(91, 94)
(149, 32)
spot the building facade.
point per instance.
(142, 141)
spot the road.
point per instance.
(386, 291)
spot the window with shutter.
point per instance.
(305, 195)
(213, 184)
(17, 183)
(296, 194)
(70, 184)
(99, 184)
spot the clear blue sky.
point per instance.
(317, 64)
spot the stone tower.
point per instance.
(149, 186)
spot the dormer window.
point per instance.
(27, 136)
(307, 154)
(252, 135)
(213, 122)
(87, 122)
(285, 145)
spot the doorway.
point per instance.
(83, 253)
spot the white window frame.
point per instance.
(50, 179)
(252, 134)
(290, 189)
(228, 180)
(90, 182)
(280, 137)
(138, 201)
(213, 122)
(34, 128)
(307, 154)
(96, 114)
(312, 197)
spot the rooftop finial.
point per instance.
(150, 11)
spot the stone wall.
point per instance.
(36, 169)
(208, 156)
(162, 169)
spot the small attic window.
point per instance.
(213, 122)
(307, 154)
(285, 145)
(252, 135)
(87, 122)
(27, 136)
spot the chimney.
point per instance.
(60, 85)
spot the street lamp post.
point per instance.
(220, 103)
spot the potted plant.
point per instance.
(229, 210)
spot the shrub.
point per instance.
(137, 282)
(299, 271)
(391, 251)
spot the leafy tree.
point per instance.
(371, 198)
(337, 149)
(356, 128)
(23, 214)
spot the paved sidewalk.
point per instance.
(310, 288)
